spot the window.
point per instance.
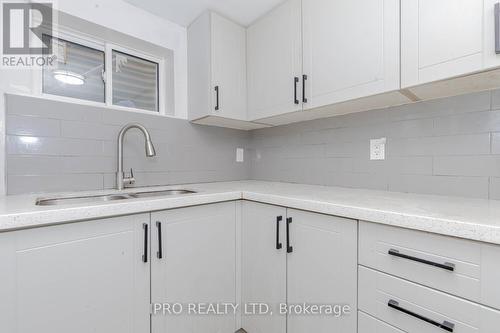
(135, 82)
(77, 74)
(80, 73)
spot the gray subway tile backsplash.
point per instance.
(53, 183)
(475, 187)
(495, 188)
(33, 126)
(449, 146)
(58, 146)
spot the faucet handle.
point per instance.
(129, 180)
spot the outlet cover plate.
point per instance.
(239, 155)
(377, 149)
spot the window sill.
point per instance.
(94, 104)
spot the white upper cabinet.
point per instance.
(216, 68)
(351, 49)
(274, 62)
(333, 57)
(446, 38)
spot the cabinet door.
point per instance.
(81, 277)
(228, 68)
(274, 60)
(351, 49)
(263, 265)
(197, 266)
(369, 324)
(440, 39)
(491, 59)
(322, 270)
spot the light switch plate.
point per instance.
(377, 149)
(239, 155)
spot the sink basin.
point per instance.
(80, 200)
(160, 193)
(109, 197)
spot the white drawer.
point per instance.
(369, 324)
(460, 267)
(413, 308)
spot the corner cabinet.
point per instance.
(446, 38)
(274, 62)
(194, 262)
(217, 81)
(81, 277)
(263, 268)
(295, 257)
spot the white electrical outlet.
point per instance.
(377, 149)
(239, 155)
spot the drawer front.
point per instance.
(418, 309)
(449, 264)
(368, 324)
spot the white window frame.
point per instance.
(67, 34)
(108, 54)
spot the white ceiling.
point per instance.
(183, 12)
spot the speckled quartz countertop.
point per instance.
(474, 219)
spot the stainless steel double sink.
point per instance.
(109, 197)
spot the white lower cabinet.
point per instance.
(417, 309)
(321, 269)
(106, 275)
(263, 265)
(368, 324)
(456, 266)
(81, 277)
(310, 259)
(196, 265)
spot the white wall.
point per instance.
(120, 16)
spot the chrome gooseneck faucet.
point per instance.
(121, 179)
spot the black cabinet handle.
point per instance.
(447, 266)
(304, 79)
(145, 253)
(159, 254)
(216, 98)
(447, 326)
(289, 248)
(295, 82)
(278, 244)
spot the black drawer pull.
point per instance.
(447, 326)
(447, 266)
(295, 82)
(278, 243)
(145, 253)
(289, 248)
(159, 254)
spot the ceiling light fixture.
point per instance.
(68, 77)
